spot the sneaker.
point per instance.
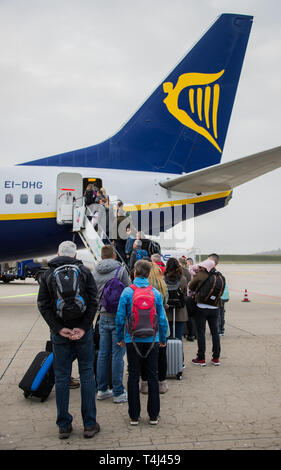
(134, 422)
(65, 433)
(74, 383)
(123, 398)
(103, 395)
(163, 386)
(144, 388)
(154, 421)
(90, 432)
(199, 362)
(215, 361)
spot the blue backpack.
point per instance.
(141, 254)
(112, 292)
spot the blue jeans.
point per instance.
(179, 326)
(65, 351)
(108, 347)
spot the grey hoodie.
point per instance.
(105, 270)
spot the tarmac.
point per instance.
(235, 406)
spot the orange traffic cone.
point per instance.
(245, 297)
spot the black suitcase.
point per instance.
(39, 379)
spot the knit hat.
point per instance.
(208, 264)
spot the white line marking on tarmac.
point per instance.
(19, 295)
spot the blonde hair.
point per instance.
(155, 278)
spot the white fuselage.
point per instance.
(29, 226)
(132, 187)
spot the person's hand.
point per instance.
(162, 345)
(77, 333)
(121, 344)
(66, 333)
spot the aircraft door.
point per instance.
(69, 194)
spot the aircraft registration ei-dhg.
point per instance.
(165, 159)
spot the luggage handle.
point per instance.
(174, 325)
(174, 322)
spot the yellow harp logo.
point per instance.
(203, 98)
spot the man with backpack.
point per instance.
(111, 279)
(67, 300)
(208, 286)
(141, 311)
(137, 253)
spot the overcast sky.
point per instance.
(72, 72)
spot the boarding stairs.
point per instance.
(71, 210)
(91, 238)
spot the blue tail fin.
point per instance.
(182, 126)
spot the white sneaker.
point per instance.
(103, 395)
(134, 422)
(163, 386)
(123, 398)
(154, 422)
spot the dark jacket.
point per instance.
(133, 259)
(90, 197)
(187, 274)
(47, 297)
(145, 242)
(181, 313)
(197, 282)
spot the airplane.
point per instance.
(162, 162)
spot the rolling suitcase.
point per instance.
(39, 379)
(174, 353)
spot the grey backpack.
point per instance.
(70, 292)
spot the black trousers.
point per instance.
(150, 367)
(191, 312)
(202, 316)
(221, 319)
(162, 366)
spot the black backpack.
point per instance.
(211, 290)
(176, 295)
(70, 287)
(154, 248)
(89, 197)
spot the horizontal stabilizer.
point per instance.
(227, 175)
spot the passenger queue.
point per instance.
(130, 304)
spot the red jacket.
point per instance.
(161, 266)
